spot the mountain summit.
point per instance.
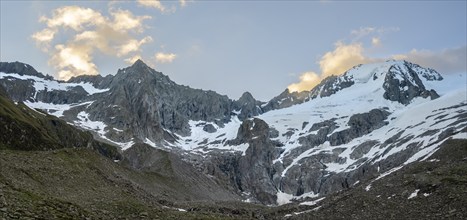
(401, 80)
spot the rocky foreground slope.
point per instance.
(372, 120)
(51, 170)
(81, 184)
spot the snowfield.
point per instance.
(41, 84)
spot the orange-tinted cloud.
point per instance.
(345, 56)
(165, 57)
(308, 80)
(336, 62)
(115, 35)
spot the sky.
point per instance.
(231, 47)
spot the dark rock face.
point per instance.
(327, 87)
(97, 81)
(23, 90)
(311, 175)
(362, 149)
(147, 102)
(253, 172)
(169, 105)
(403, 85)
(21, 69)
(330, 125)
(360, 124)
(256, 165)
(18, 90)
(441, 192)
(255, 128)
(313, 140)
(330, 86)
(286, 99)
(248, 106)
(73, 95)
(209, 128)
(178, 172)
(142, 102)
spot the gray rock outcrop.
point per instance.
(248, 106)
(252, 172)
(286, 99)
(403, 85)
(360, 124)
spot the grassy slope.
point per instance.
(70, 183)
(25, 129)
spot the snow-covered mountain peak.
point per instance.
(365, 73)
(411, 79)
(399, 81)
(372, 118)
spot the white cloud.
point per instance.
(73, 17)
(447, 61)
(152, 4)
(71, 59)
(124, 20)
(376, 41)
(165, 57)
(368, 31)
(342, 58)
(116, 35)
(132, 45)
(182, 3)
(44, 36)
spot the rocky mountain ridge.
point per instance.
(368, 121)
(166, 105)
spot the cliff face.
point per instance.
(138, 103)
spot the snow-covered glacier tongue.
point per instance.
(373, 118)
(357, 126)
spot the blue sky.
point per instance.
(233, 46)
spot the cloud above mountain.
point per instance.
(345, 56)
(165, 57)
(73, 36)
(307, 80)
(157, 4)
(447, 61)
(120, 34)
(153, 4)
(336, 62)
